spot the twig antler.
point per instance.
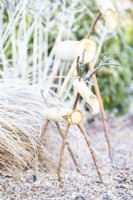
(100, 64)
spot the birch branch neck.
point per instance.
(93, 25)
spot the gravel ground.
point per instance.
(118, 176)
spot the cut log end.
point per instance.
(76, 117)
(109, 13)
(111, 19)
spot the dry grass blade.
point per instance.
(21, 122)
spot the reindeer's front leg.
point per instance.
(62, 155)
(69, 148)
(44, 130)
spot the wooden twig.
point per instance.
(97, 91)
(44, 130)
(103, 115)
(76, 101)
(62, 155)
(101, 64)
(93, 72)
(68, 147)
(92, 153)
(93, 26)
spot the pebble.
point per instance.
(34, 189)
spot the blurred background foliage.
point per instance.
(42, 23)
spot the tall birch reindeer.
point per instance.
(68, 51)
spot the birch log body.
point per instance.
(109, 13)
(87, 95)
(69, 50)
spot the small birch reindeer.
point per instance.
(74, 117)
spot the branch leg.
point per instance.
(67, 80)
(68, 147)
(92, 153)
(44, 130)
(97, 91)
(62, 155)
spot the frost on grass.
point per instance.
(20, 124)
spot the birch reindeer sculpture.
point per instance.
(69, 50)
(74, 117)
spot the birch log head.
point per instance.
(91, 99)
(109, 13)
(69, 116)
(76, 117)
(69, 50)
